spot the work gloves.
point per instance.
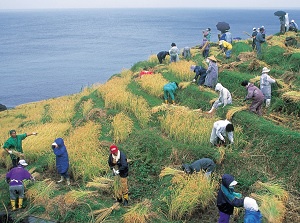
(116, 172)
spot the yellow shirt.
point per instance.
(227, 45)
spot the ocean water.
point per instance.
(50, 53)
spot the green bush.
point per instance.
(294, 62)
(274, 55)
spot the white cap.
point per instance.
(265, 70)
(54, 144)
(292, 20)
(250, 204)
(221, 42)
(23, 163)
(233, 183)
(254, 28)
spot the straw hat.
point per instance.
(212, 58)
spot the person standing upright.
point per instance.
(254, 33)
(174, 53)
(14, 145)
(211, 78)
(62, 160)
(117, 162)
(258, 41)
(265, 85)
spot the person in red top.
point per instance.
(15, 179)
(145, 72)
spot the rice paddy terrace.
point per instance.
(157, 138)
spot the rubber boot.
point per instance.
(68, 181)
(173, 102)
(268, 103)
(166, 101)
(20, 203)
(13, 205)
(61, 179)
(125, 196)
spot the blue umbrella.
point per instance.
(222, 26)
(279, 13)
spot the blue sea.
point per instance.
(51, 53)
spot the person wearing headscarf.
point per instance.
(205, 46)
(199, 72)
(15, 179)
(220, 130)
(293, 26)
(13, 145)
(62, 160)
(259, 40)
(174, 53)
(211, 78)
(252, 213)
(203, 164)
(254, 33)
(265, 85)
(227, 198)
(169, 89)
(117, 162)
(257, 97)
(224, 98)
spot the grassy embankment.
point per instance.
(128, 110)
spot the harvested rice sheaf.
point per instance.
(170, 171)
(233, 110)
(292, 96)
(139, 213)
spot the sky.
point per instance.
(60, 4)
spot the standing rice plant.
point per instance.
(87, 106)
(220, 155)
(153, 84)
(182, 70)
(127, 74)
(153, 59)
(122, 127)
(271, 208)
(188, 129)
(88, 159)
(170, 171)
(139, 213)
(140, 108)
(189, 192)
(117, 187)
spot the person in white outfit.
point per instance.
(224, 98)
(220, 130)
(265, 85)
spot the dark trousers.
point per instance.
(15, 162)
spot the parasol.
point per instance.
(222, 26)
(279, 13)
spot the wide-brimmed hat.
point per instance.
(265, 70)
(212, 58)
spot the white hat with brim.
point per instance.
(265, 70)
(233, 183)
(23, 163)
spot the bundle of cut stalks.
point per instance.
(170, 171)
(139, 213)
(162, 107)
(279, 82)
(271, 208)
(184, 84)
(274, 189)
(101, 183)
(213, 100)
(233, 110)
(207, 89)
(74, 196)
(105, 212)
(292, 96)
(221, 155)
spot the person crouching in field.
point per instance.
(162, 55)
(252, 213)
(117, 162)
(257, 97)
(204, 164)
(199, 72)
(62, 160)
(15, 179)
(226, 47)
(224, 98)
(14, 145)
(220, 130)
(169, 89)
(227, 199)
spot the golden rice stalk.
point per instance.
(275, 189)
(233, 110)
(153, 58)
(98, 185)
(103, 180)
(207, 89)
(292, 96)
(170, 171)
(153, 84)
(122, 127)
(40, 193)
(213, 100)
(162, 107)
(221, 155)
(181, 70)
(117, 187)
(139, 213)
(185, 84)
(87, 106)
(104, 214)
(74, 196)
(271, 208)
(189, 192)
(255, 79)
(127, 74)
